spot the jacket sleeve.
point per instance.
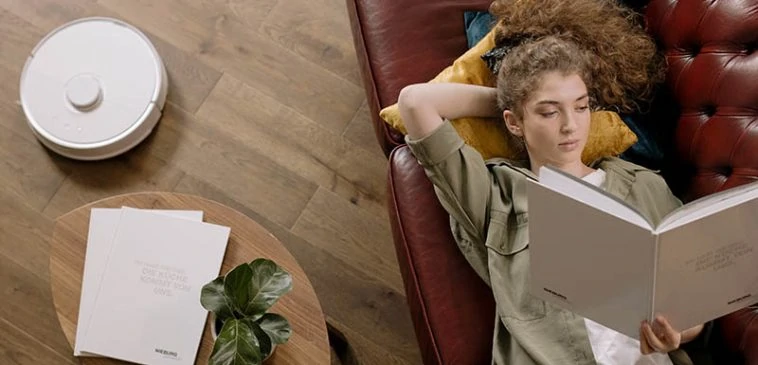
(653, 196)
(460, 178)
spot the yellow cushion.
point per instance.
(608, 136)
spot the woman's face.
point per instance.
(556, 121)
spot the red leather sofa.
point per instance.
(709, 104)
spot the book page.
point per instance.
(148, 307)
(102, 228)
(588, 261)
(583, 191)
(708, 205)
(710, 262)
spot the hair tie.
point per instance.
(494, 57)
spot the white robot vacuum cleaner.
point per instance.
(93, 88)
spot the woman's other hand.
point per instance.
(661, 337)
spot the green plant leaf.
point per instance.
(236, 345)
(276, 327)
(213, 299)
(264, 340)
(236, 286)
(269, 283)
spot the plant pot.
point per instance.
(216, 326)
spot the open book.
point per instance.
(599, 257)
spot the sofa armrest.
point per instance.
(404, 42)
(452, 308)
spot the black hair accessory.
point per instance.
(494, 57)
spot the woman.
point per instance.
(543, 98)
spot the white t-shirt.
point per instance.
(611, 347)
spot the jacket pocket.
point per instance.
(507, 234)
(508, 261)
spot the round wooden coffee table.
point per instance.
(248, 241)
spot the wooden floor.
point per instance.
(265, 113)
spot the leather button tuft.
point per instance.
(695, 50)
(709, 110)
(750, 47)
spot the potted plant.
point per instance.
(240, 301)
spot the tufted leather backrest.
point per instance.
(712, 78)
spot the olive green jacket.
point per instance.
(487, 204)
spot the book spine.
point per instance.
(651, 312)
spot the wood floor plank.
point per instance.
(297, 143)
(132, 172)
(250, 13)
(349, 297)
(18, 40)
(318, 30)
(28, 170)
(190, 80)
(28, 305)
(352, 235)
(49, 14)
(11, 114)
(232, 47)
(360, 131)
(202, 148)
(365, 351)
(372, 203)
(24, 234)
(19, 348)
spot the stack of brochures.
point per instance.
(143, 273)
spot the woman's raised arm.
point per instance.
(424, 106)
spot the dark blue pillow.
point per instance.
(478, 24)
(645, 152)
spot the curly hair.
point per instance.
(528, 63)
(625, 63)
